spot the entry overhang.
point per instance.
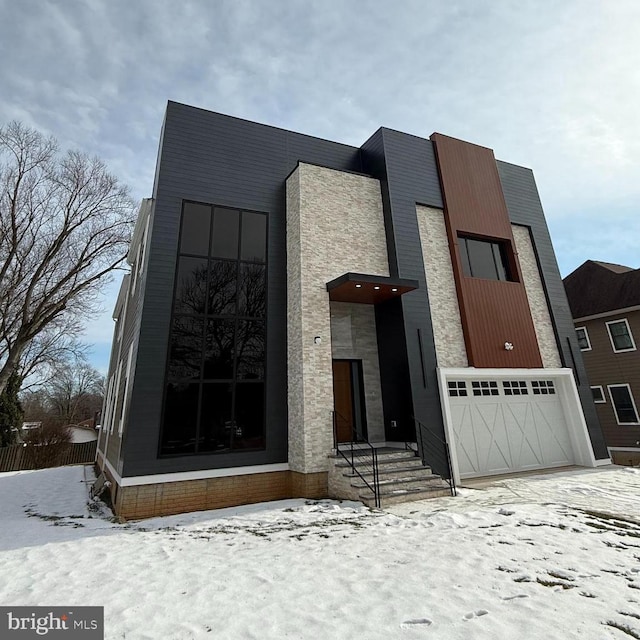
(368, 289)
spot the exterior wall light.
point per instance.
(317, 340)
(376, 288)
(508, 346)
(358, 286)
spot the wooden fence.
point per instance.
(16, 458)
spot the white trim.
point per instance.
(613, 346)
(604, 398)
(603, 462)
(203, 474)
(127, 380)
(606, 314)
(107, 406)
(586, 335)
(134, 273)
(610, 449)
(122, 318)
(143, 245)
(120, 366)
(633, 403)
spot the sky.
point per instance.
(553, 86)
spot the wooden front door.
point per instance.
(348, 400)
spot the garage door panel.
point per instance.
(523, 436)
(503, 434)
(556, 445)
(465, 440)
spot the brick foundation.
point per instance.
(169, 498)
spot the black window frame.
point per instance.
(500, 252)
(240, 267)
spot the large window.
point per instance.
(623, 404)
(214, 400)
(484, 259)
(620, 336)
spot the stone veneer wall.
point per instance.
(445, 312)
(353, 336)
(537, 299)
(334, 225)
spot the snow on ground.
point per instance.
(553, 557)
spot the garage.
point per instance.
(507, 425)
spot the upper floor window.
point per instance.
(484, 259)
(583, 339)
(620, 336)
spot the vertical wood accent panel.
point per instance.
(493, 312)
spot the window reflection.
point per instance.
(252, 293)
(219, 349)
(185, 356)
(249, 416)
(216, 424)
(224, 242)
(191, 286)
(222, 287)
(196, 222)
(254, 237)
(250, 350)
(216, 366)
(180, 418)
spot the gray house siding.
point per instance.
(217, 159)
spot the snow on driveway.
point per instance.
(553, 557)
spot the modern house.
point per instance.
(288, 294)
(605, 303)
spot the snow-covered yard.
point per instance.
(554, 556)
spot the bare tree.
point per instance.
(72, 390)
(73, 393)
(65, 224)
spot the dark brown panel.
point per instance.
(493, 323)
(493, 312)
(343, 400)
(471, 188)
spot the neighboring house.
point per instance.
(605, 303)
(287, 292)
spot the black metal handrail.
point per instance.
(363, 447)
(435, 453)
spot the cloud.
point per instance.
(552, 86)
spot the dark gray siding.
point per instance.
(410, 175)
(523, 203)
(217, 159)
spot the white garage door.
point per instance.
(503, 426)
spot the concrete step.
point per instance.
(383, 454)
(384, 462)
(390, 473)
(403, 482)
(405, 495)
